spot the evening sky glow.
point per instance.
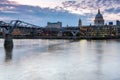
(40, 12)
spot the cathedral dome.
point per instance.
(99, 21)
(99, 15)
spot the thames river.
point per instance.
(37, 59)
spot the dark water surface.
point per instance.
(60, 60)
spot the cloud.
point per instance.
(113, 10)
(40, 12)
(40, 3)
(7, 2)
(109, 8)
(91, 5)
(35, 14)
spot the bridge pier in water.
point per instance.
(8, 47)
(8, 42)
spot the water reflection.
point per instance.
(99, 57)
(61, 60)
(8, 47)
(56, 45)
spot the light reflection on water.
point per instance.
(60, 60)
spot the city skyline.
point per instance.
(68, 12)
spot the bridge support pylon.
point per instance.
(8, 42)
(74, 34)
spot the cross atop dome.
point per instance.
(98, 11)
(99, 15)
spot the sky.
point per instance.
(39, 12)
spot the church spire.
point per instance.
(79, 23)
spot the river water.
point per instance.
(36, 59)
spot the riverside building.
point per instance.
(99, 30)
(54, 25)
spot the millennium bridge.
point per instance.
(6, 30)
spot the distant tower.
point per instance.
(99, 21)
(80, 23)
(117, 22)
